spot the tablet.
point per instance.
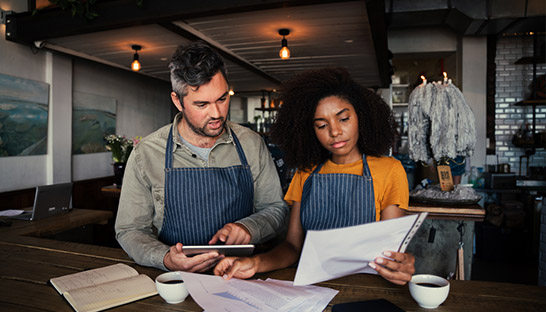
(228, 250)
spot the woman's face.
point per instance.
(336, 127)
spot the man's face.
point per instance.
(205, 109)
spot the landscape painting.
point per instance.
(93, 117)
(24, 106)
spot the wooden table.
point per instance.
(27, 264)
(111, 190)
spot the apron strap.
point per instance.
(239, 148)
(169, 150)
(365, 168)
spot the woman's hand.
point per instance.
(399, 270)
(244, 267)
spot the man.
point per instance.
(202, 179)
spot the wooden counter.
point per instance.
(467, 212)
(56, 224)
(27, 264)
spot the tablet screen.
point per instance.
(228, 250)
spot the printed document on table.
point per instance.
(334, 253)
(214, 294)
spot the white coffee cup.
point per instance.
(429, 291)
(171, 287)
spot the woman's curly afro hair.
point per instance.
(294, 132)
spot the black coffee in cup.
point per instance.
(174, 282)
(429, 285)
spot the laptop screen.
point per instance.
(51, 200)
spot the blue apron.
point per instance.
(200, 201)
(336, 200)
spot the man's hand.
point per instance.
(231, 234)
(399, 270)
(176, 260)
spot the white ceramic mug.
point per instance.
(429, 291)
(171, 287)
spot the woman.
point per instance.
(334, 131)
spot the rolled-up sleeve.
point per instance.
(134, 222)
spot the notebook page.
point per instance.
(111, 294)
(92, 277)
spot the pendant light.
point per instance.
(135, 65)
(284, 53)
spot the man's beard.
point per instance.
(203, 131)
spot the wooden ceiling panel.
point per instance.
(322, 34)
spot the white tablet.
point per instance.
(228, 250)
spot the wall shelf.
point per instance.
(531, 60)
(530, 102)
(266, 109)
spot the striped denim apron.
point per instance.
(200, 201)
(336, 200)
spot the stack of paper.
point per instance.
(213, 294)
(330, 254)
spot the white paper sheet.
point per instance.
(213, 294)
(330, 254)
(11, 212)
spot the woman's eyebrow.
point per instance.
(337, 114)
(342, 111)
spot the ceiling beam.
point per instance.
(51, 23)
(195, 35)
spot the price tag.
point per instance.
(446, 180)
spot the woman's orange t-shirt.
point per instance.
(390, 182)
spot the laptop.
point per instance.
(49, 200)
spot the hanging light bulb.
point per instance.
(135, 65)
(284, 53)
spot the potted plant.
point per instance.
(121, 148)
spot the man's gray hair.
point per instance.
(194, 65)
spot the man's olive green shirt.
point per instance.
(141, 207)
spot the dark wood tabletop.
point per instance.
(27, 263)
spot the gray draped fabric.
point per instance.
(441, 124)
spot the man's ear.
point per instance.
(176, 101)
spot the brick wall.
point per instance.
(512, 85)
(542, 247)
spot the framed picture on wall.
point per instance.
(24, 107)
(93, 118)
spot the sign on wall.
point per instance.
(93, 117)
(24, 106)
